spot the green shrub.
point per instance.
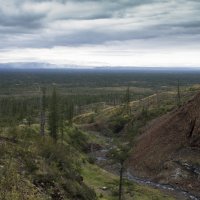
(13, 186)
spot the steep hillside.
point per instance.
(169, 149)
(36, 168)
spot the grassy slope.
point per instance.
(35, 168)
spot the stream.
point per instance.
(165, 187)
(103, 161)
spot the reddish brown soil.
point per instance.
(169, 150)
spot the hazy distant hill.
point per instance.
(36, 65)
(31, 65)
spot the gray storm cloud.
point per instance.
(40, 23)
(139, 24)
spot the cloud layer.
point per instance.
(134, 27)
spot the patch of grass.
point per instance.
(105, 185)
(85, 118)
(98, 178)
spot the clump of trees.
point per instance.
(56, 112)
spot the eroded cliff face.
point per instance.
(169, 151)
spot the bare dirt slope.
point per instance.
(169, 150)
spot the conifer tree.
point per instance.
(127, 100)
(62, 120)
(120, 154)
(42, 111)
(178, 94)
(70, 112)
(53, 116)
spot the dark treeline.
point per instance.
(93, 78)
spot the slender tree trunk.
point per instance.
(178, 94)
(157, 99)
(127, 101)
(61, 123)
(62, 127)
(53, 116)
(42, 112)
(120, 180)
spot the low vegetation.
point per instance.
(38, 168)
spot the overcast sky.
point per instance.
(101, 33)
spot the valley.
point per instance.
(102, 159)
(67, 134)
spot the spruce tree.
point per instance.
(178, 94)
(61, 119)
(53, 116)
(120, 154)
(127, 100)
(70, 113)
(42, 111)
